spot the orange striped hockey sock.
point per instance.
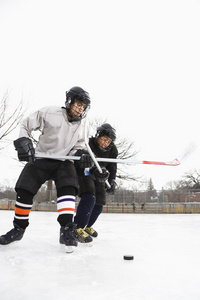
(23, 205)
(22, 212)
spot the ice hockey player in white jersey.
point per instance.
(62, 133)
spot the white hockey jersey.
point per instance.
(58, 135)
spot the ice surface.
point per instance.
(166, 263)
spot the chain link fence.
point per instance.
(124, 201)
(154, 196)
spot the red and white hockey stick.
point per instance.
(174, 162)
(189, 150)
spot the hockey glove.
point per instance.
(25, 150)
(85, 161)
(99, 177)
(112, 188)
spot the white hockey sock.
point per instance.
(66, 205)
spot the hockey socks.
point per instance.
(84, 209)
(65, 208)
(23, 208)
(97, 210)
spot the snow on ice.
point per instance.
(166, 259)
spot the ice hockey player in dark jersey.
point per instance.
(62, 133)
(93, 188)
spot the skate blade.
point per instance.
(67, 249)
(85, 244)
(70, 249)
(89, 244)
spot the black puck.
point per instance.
(128, 257)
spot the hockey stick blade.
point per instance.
(176, 162)
(188, 151)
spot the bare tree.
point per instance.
(126, 150)
(190, 180)
(10, 117)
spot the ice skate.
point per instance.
(91, 231)
(82, 236)
(15, 234)
(68, 237)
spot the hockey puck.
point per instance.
(128, 257)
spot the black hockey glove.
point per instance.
(112, 188)
(99, 177)
(85, 161)
(25, 150)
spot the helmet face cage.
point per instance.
(77, 94)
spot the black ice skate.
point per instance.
(68, 235)
(15, 234)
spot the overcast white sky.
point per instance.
(139, 60)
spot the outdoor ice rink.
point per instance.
(166, 263)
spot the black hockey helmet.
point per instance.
(76, 93)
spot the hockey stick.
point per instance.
(92, 154)
(175, 162)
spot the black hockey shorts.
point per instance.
(34, 174)
(88, 185)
